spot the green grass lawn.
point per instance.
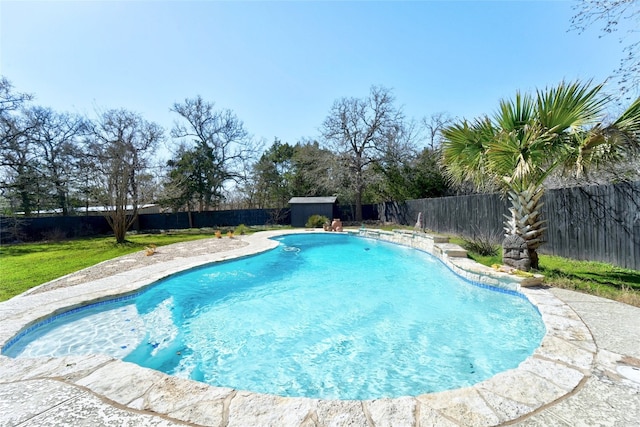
(596, 278)
(23, 266)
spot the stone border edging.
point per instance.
(556, 368)
(454, 256)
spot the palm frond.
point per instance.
(519, 156)
(625, 131)
(570, 107)
(515, 114)
(530, 137)
(605, 143)
(463, 150)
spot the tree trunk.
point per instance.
(533, 257)
(525, 219)
(26, 203)
(120, 235)
(62, 202)
(119, 226)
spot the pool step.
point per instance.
(450, 249)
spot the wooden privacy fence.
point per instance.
(39, 228)
(14, 229)
(598, 222)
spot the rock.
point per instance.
(515, 253)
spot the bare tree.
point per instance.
(56, 137)
(19, 163)
(612, 15)
(20, 179)
(357, 130)
(433, 127)
(120, 146)
(9, 100)
(17, 157)
(220, 137)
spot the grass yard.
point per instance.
(592, 277)
(25, 265)
(595, 278)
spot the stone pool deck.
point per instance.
(586, 371)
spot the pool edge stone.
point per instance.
(565, 346)
(453, 256)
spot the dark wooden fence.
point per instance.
(58, 227)
(14, 229)
(226, 218)
(599, 223)
(19, 229)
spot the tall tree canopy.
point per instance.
(220, 142)
(18, 162)
(359, 131)
(120, 146)
(285, 171)
(532, 135)
(274, 176)
(313, 170)
(20, 181)
(57, 138)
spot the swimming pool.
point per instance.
(361, 331)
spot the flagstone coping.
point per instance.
(561, 364)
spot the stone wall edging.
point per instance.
(555, 369)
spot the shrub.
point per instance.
(483, 243)
(316, 221)
(241, 230)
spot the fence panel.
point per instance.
(595, 223)
(227, 218)
(13, 229)
(16, 229)
(463, 215)
(599, 222)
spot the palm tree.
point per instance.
(531, 136)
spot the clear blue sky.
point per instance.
(280, 65)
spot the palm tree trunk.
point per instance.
(533, 256)
(525, 219)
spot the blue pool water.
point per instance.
(322, 315)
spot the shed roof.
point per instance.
(310, 200)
